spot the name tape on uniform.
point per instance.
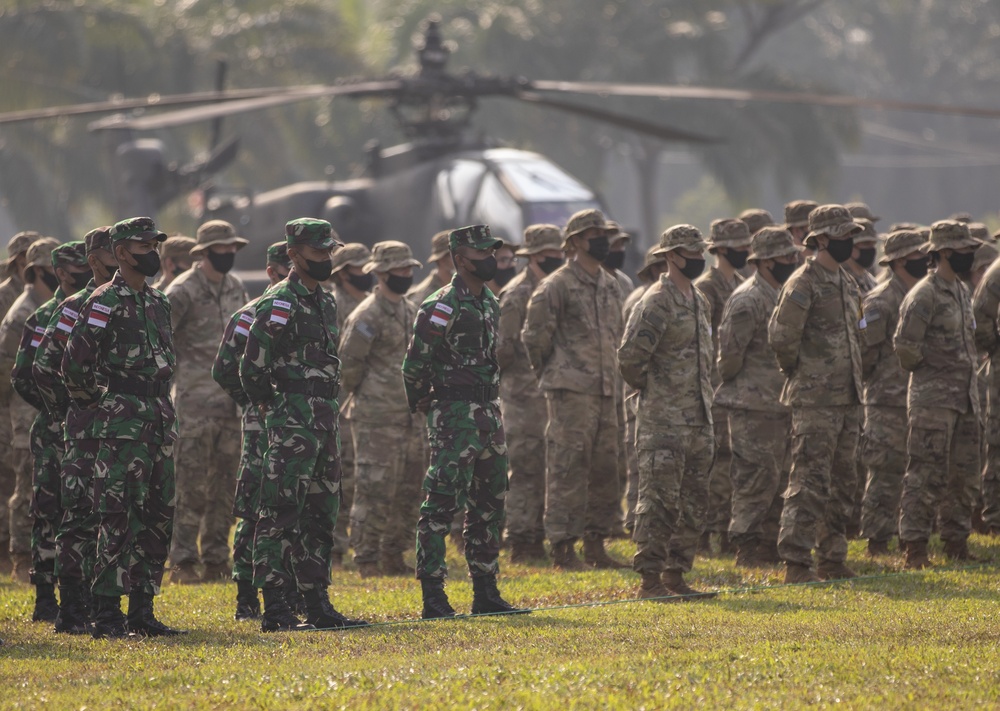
(244, 323)
(99, 316)
(280, 310)
(36, 337)
(441, 314)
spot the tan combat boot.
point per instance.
(595, 556)
(830, 570)
(21, 572)
(916, 555)
(184, 574)
(652, 589)
(673, 580)
(393, 564)
(959, 550)
(564, 557)
(877, 549)
(796, 573)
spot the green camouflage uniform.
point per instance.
(986, 307)
(452, 358)
(291, 369)
(124, 335)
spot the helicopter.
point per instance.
(445, 175)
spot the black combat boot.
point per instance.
(296, 603)
(142, 621)
(74, 617)
(46, 607)
(109, 622)
(278, 615)
(436, 605)
(247, 601)
(321, 614)
(486, 598)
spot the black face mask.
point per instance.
(399, 284)
(599, 247)
(866, 258)
(614, 260)
(693, 268)
(916, 268)
(81, 280)
(50, 280)
(550, 264)
(147, 264)
(484, 269)
(223, 262)
(181, 269)
(781, 271)
(503, 276)
(840, 249)
(320, 271)
(737, 257)
(361, 282)
(961, 263)
(111, 270)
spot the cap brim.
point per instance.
(961, 244)
(692, 246)
(388, 267)
(147, 237)
(886, 260)
(528, 251)
(238, 241)
(438, 255)
(794, 249)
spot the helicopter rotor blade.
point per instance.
(197, 114)
(627, 122)
(663, 91)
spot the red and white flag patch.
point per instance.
(99, 315)
(280, 311)
(36, 337)
(244, 323)
(441, 314)
(65, 324)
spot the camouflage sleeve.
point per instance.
(985, 305)
(355, 345)
(736, 329)
(914, 316)
(46, 366)
(509, 330)
(79, 363)
(784, 331)
(642, 335)
(873, 336)
(226, 368)
(540, 325)
(428, 333)
(180, 302)
(10, 338)
(20, 376)
(270, 323)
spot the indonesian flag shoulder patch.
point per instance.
(244, 323)
(99, 314)
(280, 310)
(36, 337)
(441, 314)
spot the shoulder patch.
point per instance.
(36, 337)
(364, 330)
(98, 318)
(280, 311)
(872, 314)
(101, 308)
(278, 303)
(798, 297)
(441, 314)
(243, 324)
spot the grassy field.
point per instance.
(893, 640)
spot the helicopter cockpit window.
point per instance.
(497, 208)
(457, 187)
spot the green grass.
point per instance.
(905, 640)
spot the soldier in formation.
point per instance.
(176, 257)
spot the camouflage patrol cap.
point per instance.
(136, 229)
(440, 246)
(352, 254)
(772, 242)
(681, 237)
(277, 255)
(584, 220)
(985, 256)
(98, 238)
(475, 236)
(178, 247)
(617, 234)
(729, 232)
(901, 243)
(898, 226)
(39, 254)
(70, 254)
(960, 217)
(950, 234)
(538, 238)
(834, 221)
(653, 257)
(867, 233)
(756, 218)
(216, 232)
(980, 231)
(19, 243)
(310, 232)
(797, 212)
(390, 255)
(860, 209)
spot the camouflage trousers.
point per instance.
(581, 465)
(76, 539)
(720, 489)
(390, 466)
(19, 504)
(6, 478)
(632, 466)
(206, 465)
(759, 474)
(883, 450)
(821, 484)
(134, 498)
(526, 452)
(942, 469)
(991, 472)
(348, 469)
(673, 496)
(46, 509)
(299, 502)
(246, 502)
(467, 471)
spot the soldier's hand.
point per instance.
(424, 404)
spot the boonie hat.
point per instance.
(390, 255)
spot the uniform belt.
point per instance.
(139, 388)
(313, 388)
(467, 393)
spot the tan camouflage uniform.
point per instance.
(935, 341)
(666, 353)
(10, 289)
(208, 451)
(439, 250)
(814, 334)
(986, 309)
